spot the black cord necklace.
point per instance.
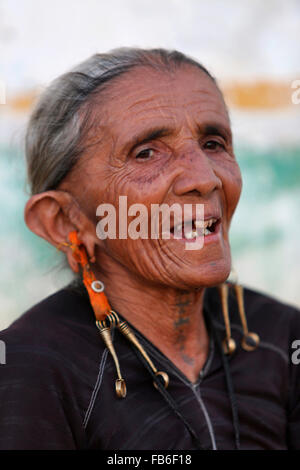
(174, 406)
(230, 390)
(170, 401)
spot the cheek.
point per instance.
(232, 184)
(127, 214)
(131, 252)
(140, 187)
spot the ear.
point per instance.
(52, 215)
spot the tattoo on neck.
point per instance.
(188, 360)
(182, 318)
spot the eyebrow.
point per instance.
(150, 134)
(215, 129)
(157, 133)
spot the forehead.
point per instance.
(147, 96)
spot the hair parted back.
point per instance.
(60, 121)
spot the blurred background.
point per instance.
(252, 47)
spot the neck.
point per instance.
(172, 319)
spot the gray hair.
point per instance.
(56, 132)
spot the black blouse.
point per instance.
(57, 386)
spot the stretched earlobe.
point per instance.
(88, 236)
(72, 262)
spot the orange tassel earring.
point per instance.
(106, 318)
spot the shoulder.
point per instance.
(47, 377)
(275, 320)
(64, 310)
(58, 334)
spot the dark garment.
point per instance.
(57, 387)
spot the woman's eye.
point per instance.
(214, 145)
(145, 154)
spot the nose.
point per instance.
(196, 173)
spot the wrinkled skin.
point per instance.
(191, 162)
(186, 166)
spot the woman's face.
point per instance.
(162, 138)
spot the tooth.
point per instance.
(206, 232)
(199, 223)
(189, 235)
(178, 229)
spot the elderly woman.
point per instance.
(149, 348)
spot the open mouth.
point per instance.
(195, 228)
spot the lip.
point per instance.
(215, 235)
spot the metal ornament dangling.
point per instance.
(229, 345)
(104, 327)
(250, 340)
(106, 318)
(247, 340)
(126, 331)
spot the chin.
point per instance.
(208, 275)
